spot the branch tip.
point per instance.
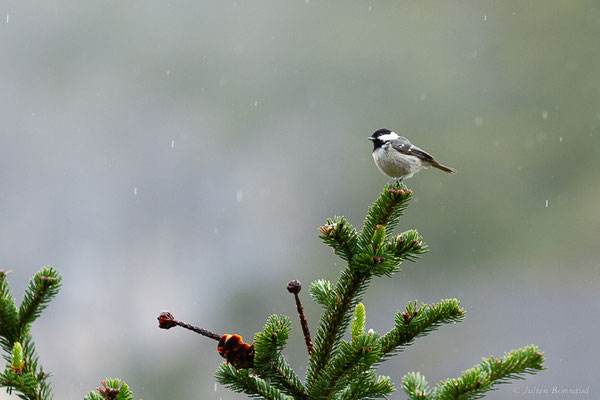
(294, 286)
(108, 392)
(167, 321)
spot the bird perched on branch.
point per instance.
(398, 158)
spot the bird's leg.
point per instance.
(396, 180)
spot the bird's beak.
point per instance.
(371, 138)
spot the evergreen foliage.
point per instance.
(113, 389)
(269, 361)
(243, 381)
(418, 321)
(341, 369)
(490, 371)
(337, 368)
(23, 375)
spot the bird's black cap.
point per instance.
(379, 132)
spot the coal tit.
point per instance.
(397, 158)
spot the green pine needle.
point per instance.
(335, 320)
(243, 381)
(9, 316)
(112, 389)
(322, 292)
(386, 211)
(491, 371)
(418, 321)
(368, 386)
(352, 360)
(44, 286)
(270, 363)
(29, 381)
(415, 386)
(339, 235)
(408, 245)
(365, 262)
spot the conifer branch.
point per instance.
(340, 236)
(352, 360)
(30, 356)
(408, 245)
(368, 386)
(335, 320)
(242, 381)
(418, 321)
(490, 371)
(112, 389)
(415, 386)
(285, 378)
(386, 211)
(383, 214)
(44, 286)
(322, 292)
(25, 385)
(23, 375)
(270, 363)
(9, 316)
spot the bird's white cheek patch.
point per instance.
(389, 136)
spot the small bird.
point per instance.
(399, 159)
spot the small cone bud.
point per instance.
(294, 287)
(166, 320)
(16, 362)
(378, 236)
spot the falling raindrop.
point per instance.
(172, 143)
(255, 103)
(560, 140)
(544, 115)
(239, 196)
(135, 191)
(546, 203)
(485, 17)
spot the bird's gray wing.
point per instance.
(405, 147)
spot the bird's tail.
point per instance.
(443, 168)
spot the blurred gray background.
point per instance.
(180, 155)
